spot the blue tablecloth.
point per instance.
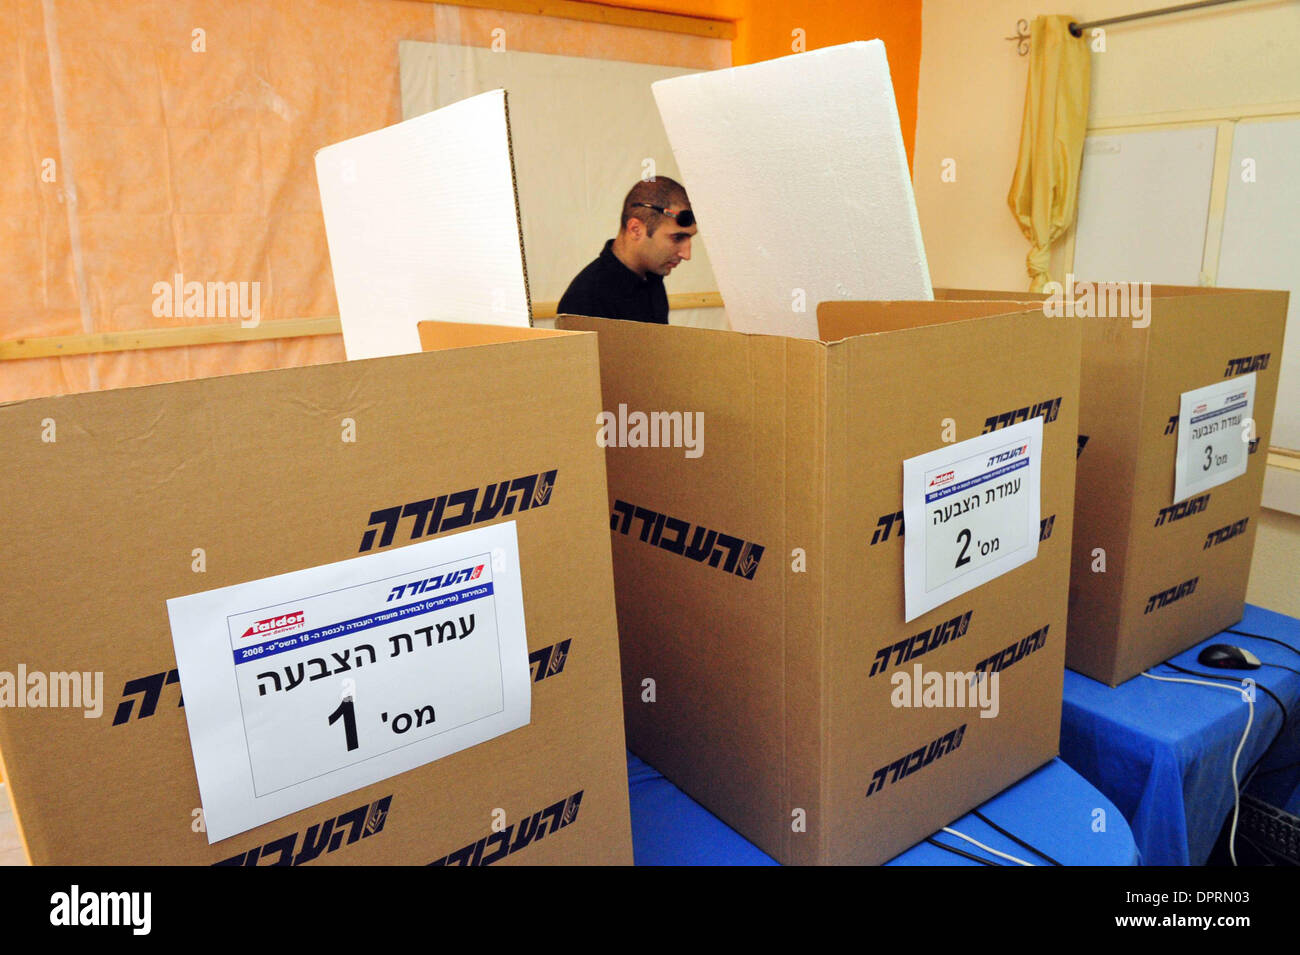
(1053, 809)
(1162, 752)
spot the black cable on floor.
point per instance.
(1260, 636)
(1237, 679)
(961, 852)
(1014, 838)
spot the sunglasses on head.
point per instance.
(685, 218)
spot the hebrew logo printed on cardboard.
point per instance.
(305, 686)
(1211, 448)
(972, 513)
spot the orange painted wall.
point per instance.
(764, 30)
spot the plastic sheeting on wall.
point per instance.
(143, 141)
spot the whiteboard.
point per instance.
(1261, 243)
(1144, 200)
(583, 131)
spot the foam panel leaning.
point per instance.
(798, 176)
(422, 220)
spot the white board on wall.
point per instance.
(584, 130)
(797, 170)
(1144, 200)
(423, 225)
(1261, 242)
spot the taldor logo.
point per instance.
(940, 479)
(282, 624)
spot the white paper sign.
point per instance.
(1212, 447)
(971, 511)
(305, 686)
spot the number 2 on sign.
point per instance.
(985, 547)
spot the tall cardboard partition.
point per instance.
(768, 665)
(1155, 573)
(120, 501)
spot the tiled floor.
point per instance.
(11, 847)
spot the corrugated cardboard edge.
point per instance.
(1135, 419)
(804, 600)
(519, 216)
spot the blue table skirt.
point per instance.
(1162, 752)
(1054, 809)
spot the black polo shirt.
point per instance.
(609, 289)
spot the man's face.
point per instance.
(668, 247)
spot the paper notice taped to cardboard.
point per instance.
(1213, 435)
(972, 513)
(308, 685)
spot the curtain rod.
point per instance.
(1076, 29)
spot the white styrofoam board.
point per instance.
(798, 176)
(422, 222)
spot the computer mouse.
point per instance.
(1227, 657)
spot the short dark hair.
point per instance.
(660, 191)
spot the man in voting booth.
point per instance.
(626, 280)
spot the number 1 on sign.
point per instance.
(348, 712)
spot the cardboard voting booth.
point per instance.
(1159, 566)
(770, 667)
(396, 552)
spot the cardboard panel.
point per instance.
(714, 725)
(423, 225)
(798, 177)
(255, 474)
(838, 320)
(969, 377)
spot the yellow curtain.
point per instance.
(1045, 190)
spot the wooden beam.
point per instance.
(614, 16)
(100, 342)
(681, 300)
(1284, 458)
(97, 343)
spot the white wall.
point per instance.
(972, 90)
